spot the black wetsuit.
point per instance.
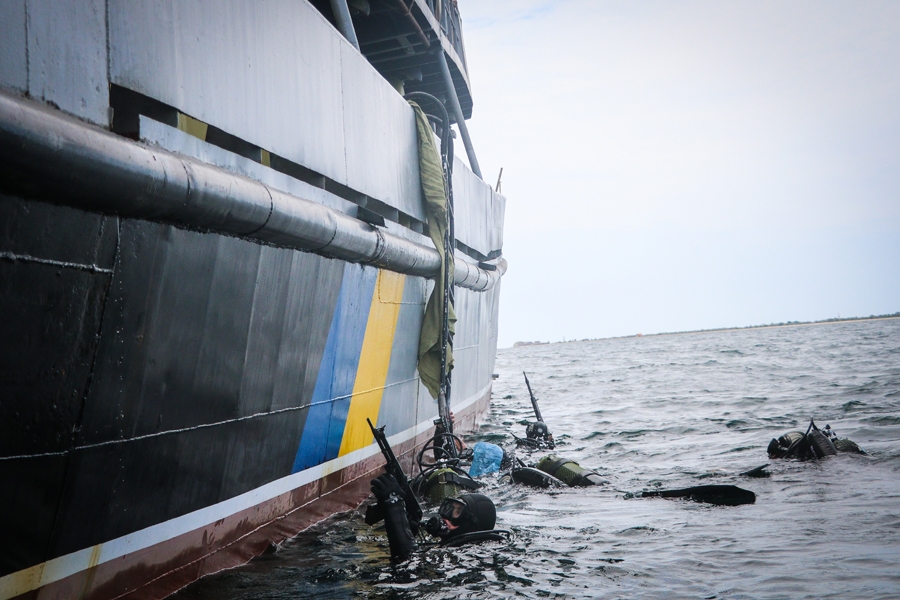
(476, 524)
(815, 443)
(400, 536)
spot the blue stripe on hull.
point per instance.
(324, 427)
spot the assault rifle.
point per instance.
(374, 514)
(537, 435)
(537, 411)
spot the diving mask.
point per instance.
(455, 511)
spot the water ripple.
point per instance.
(657, 411)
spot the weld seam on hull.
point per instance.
(54, 263)
(48, 156)
(203, 426)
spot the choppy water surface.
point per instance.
(673, 411)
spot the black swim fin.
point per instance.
(721, 495)
(759, 471)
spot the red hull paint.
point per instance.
(162, 569)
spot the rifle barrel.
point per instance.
(534, 404)
(392, 466)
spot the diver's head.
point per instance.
(537, 430)
(779, 448)
(468, 513)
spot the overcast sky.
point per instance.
(684, 165)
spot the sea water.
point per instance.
(657, 412)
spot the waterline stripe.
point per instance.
(59, 568)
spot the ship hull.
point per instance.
(205, 401)
(138, 566)
(214, 267)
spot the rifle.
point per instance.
(413, 511)
(537, 434)
(537, 411)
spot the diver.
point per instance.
(814, 444)
(537, 434)
(460, 520)
(567, 471)
(549, 471)
(446, 477)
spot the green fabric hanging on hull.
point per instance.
(432, 175)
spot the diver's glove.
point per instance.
(396, 524)
(386, 489)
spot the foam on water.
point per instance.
(667, 411)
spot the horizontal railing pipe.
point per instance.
(48, 156)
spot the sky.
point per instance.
(673, 166)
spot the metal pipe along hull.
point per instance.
(45, 155)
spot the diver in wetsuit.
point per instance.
(446, 477)
(466, 518)
(814, 444)
(485, 458)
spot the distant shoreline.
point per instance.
(722, 329)
(774, 325)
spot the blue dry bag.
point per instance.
(486, 459)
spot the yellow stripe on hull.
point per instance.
(374, 360)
